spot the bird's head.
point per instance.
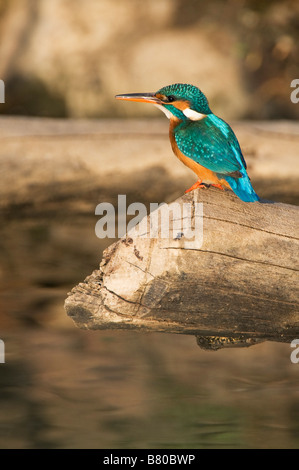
(179, 101)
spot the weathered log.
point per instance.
(238, 287)
(74, 164)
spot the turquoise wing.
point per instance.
(212, 143)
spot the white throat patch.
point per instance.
(165, 110)
(193, 115)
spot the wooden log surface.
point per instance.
(241, 284)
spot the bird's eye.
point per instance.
(170, 98)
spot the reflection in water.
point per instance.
(62, 387)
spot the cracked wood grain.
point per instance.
(240, 287)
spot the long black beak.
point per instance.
(142, 97)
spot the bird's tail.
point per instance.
(242, 188)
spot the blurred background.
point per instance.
(73, 56)
(67, 145)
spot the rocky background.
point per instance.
(65, 58)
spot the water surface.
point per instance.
(62, 387)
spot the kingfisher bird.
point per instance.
(200, 139)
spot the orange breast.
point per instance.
(206, 175)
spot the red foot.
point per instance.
(199, 184)
(217, 186)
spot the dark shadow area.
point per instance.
(29, 96)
